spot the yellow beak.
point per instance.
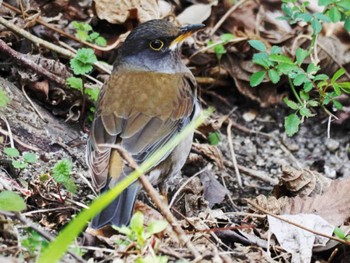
(185, 32)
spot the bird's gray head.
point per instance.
(153, 46)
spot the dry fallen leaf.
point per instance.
(297, 241)
(194, 14)
(214, 192)
(333, 205)
(117, 12)
(211, 152)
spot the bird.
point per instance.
(150, 97)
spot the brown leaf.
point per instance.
(333, 205)
(214, 192)
(194, 14)
(211, 152)
(117, 12)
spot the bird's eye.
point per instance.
(156, 44)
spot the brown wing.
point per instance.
(140, 111)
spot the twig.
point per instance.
(157, 200)
(228, 13)
(32, 104)
(41, 42)
(60, 31)
(9, 131)
(24, 61)
(47, 210)
(233, 155)
(29, 147)
(329, 127)
(183, 186)
(41, 231)
(295, 224)
(258, 174)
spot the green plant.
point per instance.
(138, 234)
(11, 202)
(86, 33)
(81, 64)
(275, 64)
(340, 234)
(61, 172)
(33, 242)
(214, 138)
(20, 161)
(219, 47)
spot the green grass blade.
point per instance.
(58, 247)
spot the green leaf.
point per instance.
(305, 112)
(93, 93)
(81, 26)
(300, 79)
(308, 86)
(322, 17)
(344, 4)
(275, 50)
(274, 76)
(339, 233)
(280, 58)
(337, 89)
(62, 170)
(313, 103)
(301, 54)
(334, 14)
(123, 230)
(136, 222)
(219, 51)
(82, 35)
(30, 157)
(324, 2)
(286, 68)
(70, 185)
(291, 104)
(305, 17)
(338, 105)
(258, 45)
(257, 78)
(316, 26)
(340, 72)
(11, 202)
(214, 138)
(75, 83)
(4, 100)
(304, 95)
(83, 61)
(19, 164)
(291, 124)
(227, 37)
(11, 152)
(312, 69)
(347, 24)
(93, 36)
(101, 41)
(321, 77)
(156, 227)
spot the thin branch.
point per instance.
(9, 131)
(17, 140)
(40, 42)
(233, 155)
(24, 61)
(228, 13)
(157, 200)
(295, 224)
(32, 104)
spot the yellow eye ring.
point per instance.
(156, 44)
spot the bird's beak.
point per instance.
(185, 32)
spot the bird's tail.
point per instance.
(118, 212)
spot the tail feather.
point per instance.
(118, 212)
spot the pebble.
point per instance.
(332, 145)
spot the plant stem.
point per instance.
(294, 91)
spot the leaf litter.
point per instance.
(315, 192)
